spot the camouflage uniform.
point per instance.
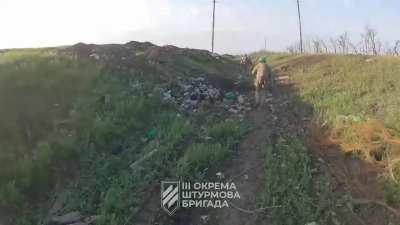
(263, 81)
(246, 64)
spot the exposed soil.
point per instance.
(246, 170)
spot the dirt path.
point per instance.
(246, 168)
(247, 171)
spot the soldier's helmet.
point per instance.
(262, 59)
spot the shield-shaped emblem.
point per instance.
(170, 196)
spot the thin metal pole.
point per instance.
(301, 32)
(213, 27)
(265, 44)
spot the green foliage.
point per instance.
(10, 193)
(347, 93)
(11, 56)
(273, 58)
(112, 189)
(73, 115)
(392, 187)
(108, 186)
(392, 192)
(200, 156)
(352, 86)
(289, 185)
(39, 91)
(228, 132)
(216, 144)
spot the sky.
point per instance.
(241, 25)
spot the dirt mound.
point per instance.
(126, 54)
(139, 46)
(165, 63)
(112, 54)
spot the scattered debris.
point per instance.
(58, 205)
(73, 218)
(349, 118)
(204, 219)
(312, 223)
(136, 164)
(79, 223)
(241, 99)
(231, 96)
(370, 60)
(95, 56)
(57, 216)
(192, 93)
(151, 134)
(91, 219)
(68, 218)
(269, 99)
(196, 91)
(220, 175)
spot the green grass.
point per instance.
(358, 99)
(273, 58)
(80, 129)
(350, 86)
(10, 56)
(218, 143)
(200, 156)
(37, 93)
(113, 190)
(290, 187)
